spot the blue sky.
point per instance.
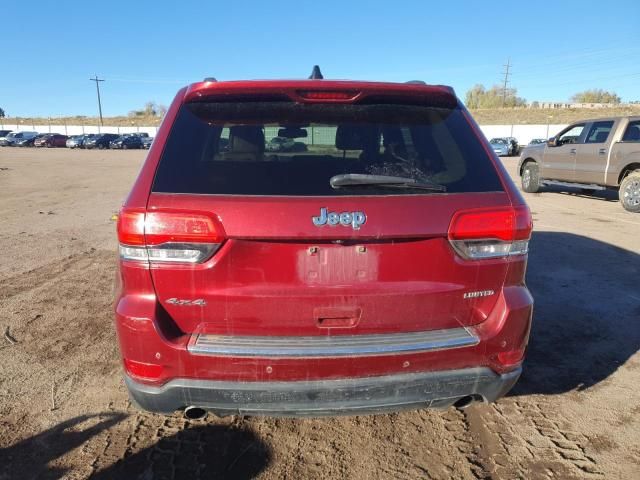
(147, 50)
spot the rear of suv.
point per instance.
(380, 268)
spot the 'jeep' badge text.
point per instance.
(353, 219)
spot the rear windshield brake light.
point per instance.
(327, 95)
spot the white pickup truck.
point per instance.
(592, 155)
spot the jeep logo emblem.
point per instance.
(353, 219)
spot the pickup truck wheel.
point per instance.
(530, 178)
(630, 192)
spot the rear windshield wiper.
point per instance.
(359, 179)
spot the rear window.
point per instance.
(292, 149)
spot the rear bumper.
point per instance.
(351, 396)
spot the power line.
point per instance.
(506, 80)
(97, 80)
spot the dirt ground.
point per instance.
(64, 412)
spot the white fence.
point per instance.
(77, 129)
(524, 133)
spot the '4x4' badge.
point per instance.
(198, 302)
(353, 219)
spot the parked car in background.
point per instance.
(75, 141)
(100, 141)
(515, 147)
(87, 137)
(282, 144)
(146, 142)
(538, 141)
(4, 133)
(39, 140)
(13, 137)
(51, 140)
(592, 155)
(270, 283)
(125, 142)
(29, 142)
(501, 146)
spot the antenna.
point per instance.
(316, 74)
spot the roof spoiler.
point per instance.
(422, 82)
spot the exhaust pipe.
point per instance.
(464, 402)
(195, 413)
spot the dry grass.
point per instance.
(542, 116)
(494, 116)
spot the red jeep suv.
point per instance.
(379, 268)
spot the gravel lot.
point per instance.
(64, 411)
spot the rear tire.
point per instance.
(629, 192)
(530, 178)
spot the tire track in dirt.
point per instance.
(420, 444)
(35, 278)
(526, 439)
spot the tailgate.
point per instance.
(277, 273)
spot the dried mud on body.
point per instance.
(64, 412)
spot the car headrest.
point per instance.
(356, 137)
(246, 139)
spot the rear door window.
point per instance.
(286, 148)
(632, 133)
(599, 132)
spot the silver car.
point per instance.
(11, 139)
(75, 142)
(501, 146)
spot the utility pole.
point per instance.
(97, 80)
(506, 80)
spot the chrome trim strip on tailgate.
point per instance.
(330, 346)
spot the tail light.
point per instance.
(491, 233)
(179, 237)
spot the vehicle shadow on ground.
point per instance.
(30, 457)
(201, 451)
(603, 195)
(587, 306)
(197, 451)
